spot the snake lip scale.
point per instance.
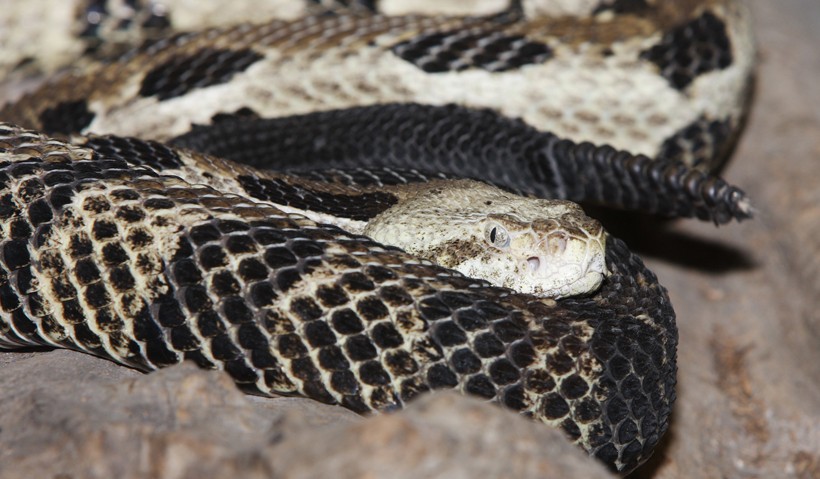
(173, 202)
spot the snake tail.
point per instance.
(474, 143)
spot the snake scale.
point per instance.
(116, 244)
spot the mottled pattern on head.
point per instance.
(544, 247)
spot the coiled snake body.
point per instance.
(133, 250)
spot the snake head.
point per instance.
(555, 252)
(547, 248)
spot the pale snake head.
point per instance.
(547, 248)
(558, 255)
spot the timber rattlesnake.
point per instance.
(105, 252)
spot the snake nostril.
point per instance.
(533, 263)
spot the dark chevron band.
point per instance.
(184, 73)
(698, 47)
(464, 49)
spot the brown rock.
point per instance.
(70, 415)
(439, 436)
(73, 415)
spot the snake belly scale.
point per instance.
(108, 247)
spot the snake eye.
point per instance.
(497, 235)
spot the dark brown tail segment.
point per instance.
(480, 144)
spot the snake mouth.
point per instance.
(551, 277)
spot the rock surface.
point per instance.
(86, 417)
(749, 381)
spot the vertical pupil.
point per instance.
(492, 235)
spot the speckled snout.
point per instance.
(561, 257)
